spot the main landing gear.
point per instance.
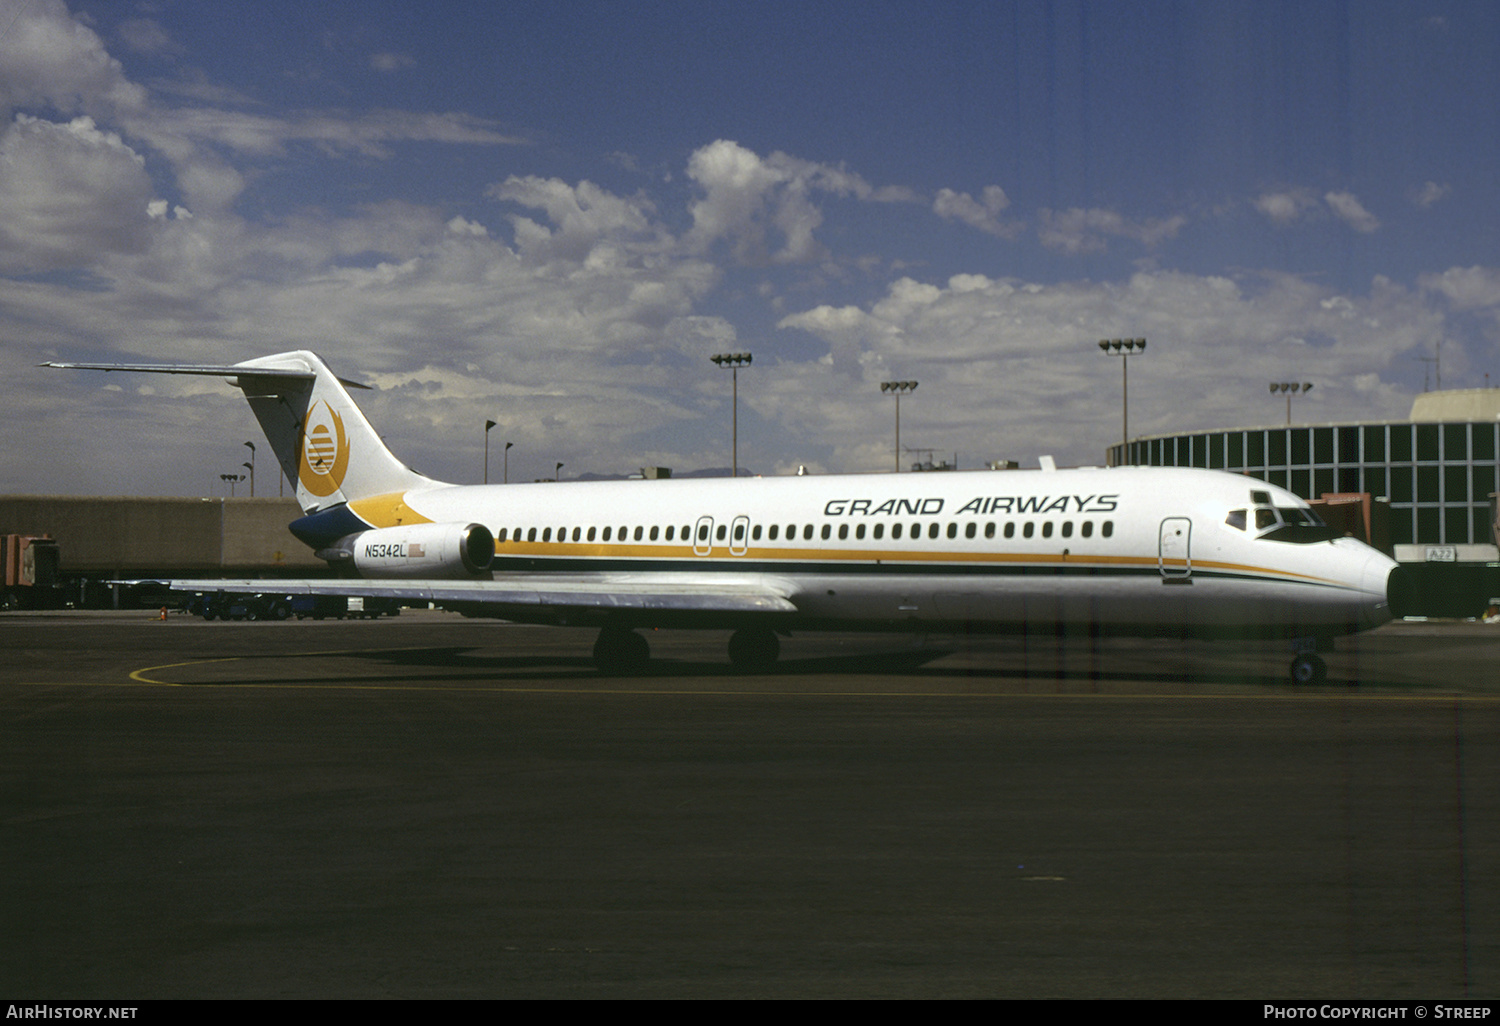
(754, 648)
(622, 651)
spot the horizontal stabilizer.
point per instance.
(324, 444)
(212, 370)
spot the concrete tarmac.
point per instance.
(433, 807)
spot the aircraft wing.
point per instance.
(539, 595)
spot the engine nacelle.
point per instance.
(444, 551)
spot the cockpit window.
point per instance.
(1236, 519)
(1294, 515)
(1292, 524)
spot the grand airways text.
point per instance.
(985, 505)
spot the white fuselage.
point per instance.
(1136, 550)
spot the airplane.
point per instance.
(1145, 551)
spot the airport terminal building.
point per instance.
(1438, 468)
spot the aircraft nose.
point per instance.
(1401, 591)
(1387, 590)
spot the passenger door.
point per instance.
(1174, 553)
(703, 536)
(739, 536)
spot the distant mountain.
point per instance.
(705, 472)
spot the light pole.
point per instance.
(507, 461)
(232, 479)
(251, 465)
(734, 361)
(1291, 388)
(896, 388)
(487, 425)
(557, 472)
(1123, 347)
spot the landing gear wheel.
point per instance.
(1308, 668)
(621, 651)
(754, 648)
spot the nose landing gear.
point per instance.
(1309, 668)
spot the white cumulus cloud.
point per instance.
(69, 193)
(1079, 231)
(765, 206)
(1349, 210)
(983, 214)
(1285, 206)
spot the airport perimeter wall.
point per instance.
(128, 537)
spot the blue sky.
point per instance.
(550, 215)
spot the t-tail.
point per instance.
(320, 437)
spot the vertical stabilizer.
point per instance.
(321, 438)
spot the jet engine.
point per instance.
(437, 551)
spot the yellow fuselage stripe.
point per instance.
(594, 550)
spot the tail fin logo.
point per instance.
(325, 451)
